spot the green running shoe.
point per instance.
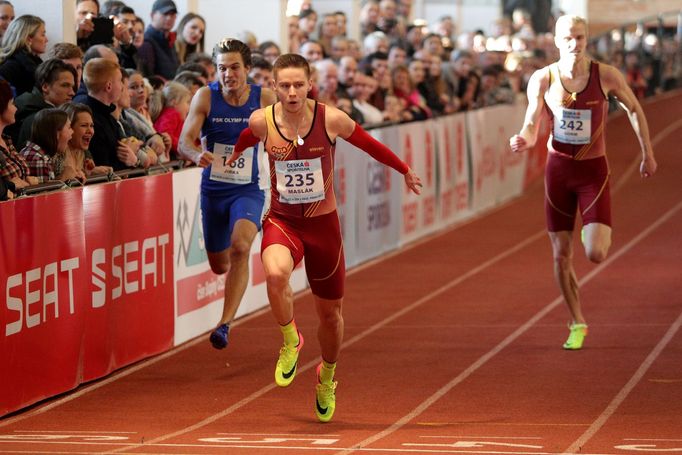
(576, 337)
(325, 398)
(287, 362)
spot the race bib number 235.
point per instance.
(299, 181)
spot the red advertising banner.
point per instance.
(129, 246)
(42, 269)
(88, 285)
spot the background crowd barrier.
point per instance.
(97, 277)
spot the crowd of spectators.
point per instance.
(117, 98)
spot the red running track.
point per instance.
(453, 345)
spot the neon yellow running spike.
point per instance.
(325, 398)
(285, 371)
(576, 337)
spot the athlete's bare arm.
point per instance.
(258, 125)
(191, 131)
(614, 84)
(339, 124)
(267, 97)
(528, 136)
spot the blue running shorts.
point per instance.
(220, 213)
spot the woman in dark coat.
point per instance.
(20, 51)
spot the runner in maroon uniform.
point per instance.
(573, 91)
(300, 136)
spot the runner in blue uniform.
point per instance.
(232, 196)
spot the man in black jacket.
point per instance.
(104, 82)
(158, 52)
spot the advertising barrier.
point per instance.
(87, 277)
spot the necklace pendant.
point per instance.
(299, 140)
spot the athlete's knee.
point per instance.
(596, 254)
(563, 258)
(331, 316)
(220, 269)
(239, 250)
(597, 240)
(219, 266)
(562, 248)
(276, 278)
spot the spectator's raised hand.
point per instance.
(84, 27)
(122, 34)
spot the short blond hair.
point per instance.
(171, 94)
(569, 20)
(174, 92)
(98, 72)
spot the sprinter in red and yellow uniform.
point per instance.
(574, 92)
(300, 136)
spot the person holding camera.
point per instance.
(114, 29)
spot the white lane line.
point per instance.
(300, 448)
(74, 432)
(625, 391)
(480, 437)
(654, 439)
(506, 424)
(511, 338)
(288, 435)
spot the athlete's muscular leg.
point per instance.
(220, 265)
(597, 240)
(278, 265)
(330, 331)
(238, 267)
(562, 249)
